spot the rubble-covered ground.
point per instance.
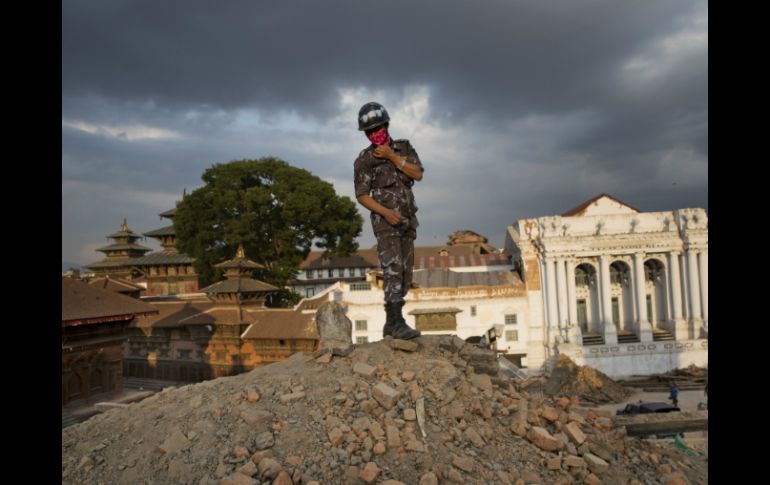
(356, 420)
(590, 385)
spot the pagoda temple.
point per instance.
(120, 254)
(167, 272)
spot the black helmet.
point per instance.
(372, 115)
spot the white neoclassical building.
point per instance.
(615, 288)
(621, 290)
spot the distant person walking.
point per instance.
(674, 394)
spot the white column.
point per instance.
(694, 281)
(643, 326)
(685, 287)
(550, 278)
(561, 287)
(575, 335)
(610, 332)
(680, 324)
(703, 259)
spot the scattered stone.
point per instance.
(464, 464)
(264, 440)
(283, 478)
(364, 370)
(554, 464)
(176, 442)
(256, 417)
(295, 396)
(405, 345)
(541, 438)
(370, 473)
(572, 430)
(238, 479)
(325, 358)
(474, 437)
(596, 464)
(410, 414)
(429, 479)
(385, 395)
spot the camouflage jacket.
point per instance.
(386, 184)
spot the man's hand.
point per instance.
(384, 151)
(392, 217)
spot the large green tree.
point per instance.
(275, 210)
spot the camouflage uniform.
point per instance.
(391, 188)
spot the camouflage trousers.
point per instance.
(396, 252)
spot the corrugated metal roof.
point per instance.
(424, 257)
(444, 278)
(360, 259)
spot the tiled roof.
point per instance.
(115, 284)
(119, 246)
(161, 258)
(282, 324)
(82, 303)
(220, 315)
(169, 213)
(163, 231)
(444, 278)
(107, 264)
(235, 285)
(427, 311)
(171, 313)
(128, 233)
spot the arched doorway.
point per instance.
(621, 296)
(656, 292)
(587, 299)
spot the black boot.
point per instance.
(400, 329)
(390, 321)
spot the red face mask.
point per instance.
(379, 137)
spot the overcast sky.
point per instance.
(517, 108)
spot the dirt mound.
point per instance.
(569, 379)
(418, 412)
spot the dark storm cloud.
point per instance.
(492, 57)
(533, 108)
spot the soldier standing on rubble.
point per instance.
(384, 174)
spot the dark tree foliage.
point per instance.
(275, 210)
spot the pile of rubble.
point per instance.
(427, 411)
(590, 385)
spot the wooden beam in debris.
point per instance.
(648, 424)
